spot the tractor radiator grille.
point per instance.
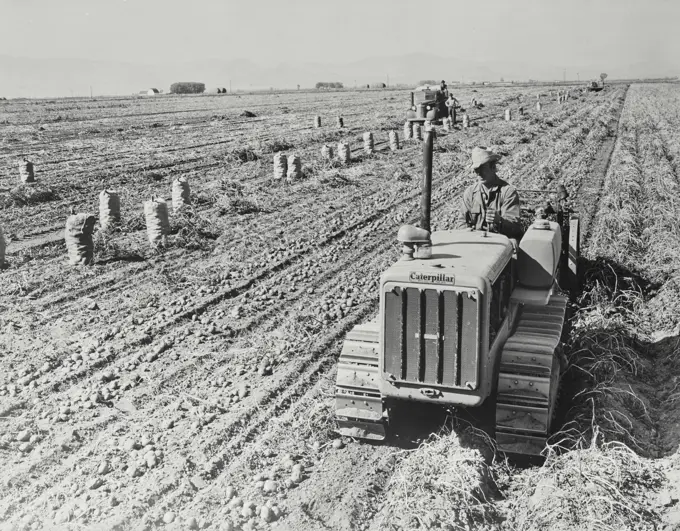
(432, 336)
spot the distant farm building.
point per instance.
(152, 92)
(214, 91)
(378, 85)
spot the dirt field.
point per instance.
(193, 387)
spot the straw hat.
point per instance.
(481, 155)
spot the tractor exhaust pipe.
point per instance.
(426, 195)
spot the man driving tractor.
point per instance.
(491, 203)
(442, 92)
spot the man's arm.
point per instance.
(510, 217)
(464, 208)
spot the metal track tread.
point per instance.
(358, 402)
(528, 379)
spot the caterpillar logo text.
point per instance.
(432, 278)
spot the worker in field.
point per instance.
(491, 203)
(451, 104)
(442, 92)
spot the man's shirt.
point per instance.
(501, 197)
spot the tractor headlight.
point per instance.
(429, 108)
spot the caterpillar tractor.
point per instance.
(426, 104)
(594, 86)
(466, 316)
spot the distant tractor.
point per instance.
(594, 86)
(466, 317)
(427, 103)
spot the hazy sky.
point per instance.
(565, 32)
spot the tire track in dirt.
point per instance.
(591, 191)
(572, 164)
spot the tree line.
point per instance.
(329, 85)
(187, 87)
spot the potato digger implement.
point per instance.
(466, 316)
